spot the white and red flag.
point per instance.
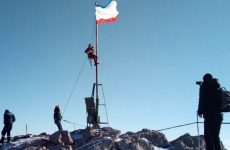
(107, 13)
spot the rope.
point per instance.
(74, 123)
(75, 84)
(187, 124)
(226, 123)
(177, 126)
(198, 130)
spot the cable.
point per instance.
(75, 124)
(177, 126)
(198, 130)
(186, 125)
(75, 84)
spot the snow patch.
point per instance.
(145, 140)
(118, 139)
(156, 148)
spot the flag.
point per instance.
(108, 13)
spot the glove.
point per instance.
(200, 114)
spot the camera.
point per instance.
(198, 82)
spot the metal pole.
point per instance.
(97, 97)
(26, 129)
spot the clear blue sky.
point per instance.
(149, 61)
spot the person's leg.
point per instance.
(4, 130)
(216, 132)
(59, 126)
(208, 134)
(8, 133)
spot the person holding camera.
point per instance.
(210, 109)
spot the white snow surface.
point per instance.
(19, 143)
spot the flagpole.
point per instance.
(111, 18)
(97, 97)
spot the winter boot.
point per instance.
(2, 140)
(8, 139)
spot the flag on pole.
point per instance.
(108, 13)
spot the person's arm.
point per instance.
(202, 97)
(59, 116)
(4, 119)
(14, 119)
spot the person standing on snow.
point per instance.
(210, 109)
(57, 117)
(9, 119)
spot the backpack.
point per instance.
(9, 118)
(225, 99)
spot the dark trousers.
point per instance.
(58, 123)
(212, 127)
(6, 130)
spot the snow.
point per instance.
(156, 148)
(19, 143)
(146, 140)
(118, 139)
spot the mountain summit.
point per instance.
(105, 138)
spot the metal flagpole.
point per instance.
(97, 97)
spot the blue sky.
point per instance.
(149, 61)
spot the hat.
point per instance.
(207, 76)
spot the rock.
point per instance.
(99, 144)
(154, 137)
(134, 141)
(56, 138)
(95, 138)
(104, 139)
(40, 142)
(66, 138)
(142, 140)
(109, 132)
(43, 134)
(61, 137)
(60, 147)
(21, 137)
(188, 142)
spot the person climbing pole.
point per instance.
(90, 52)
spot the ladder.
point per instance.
(92, 117)
(104, 105)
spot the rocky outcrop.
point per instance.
(188, 142)
(104, 139)
(108, 138)
(154, 137)
(145, 139)
(61, 137)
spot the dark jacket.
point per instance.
(9, 118)
(57, 115)
(209, 101)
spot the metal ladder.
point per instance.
(104, 105)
